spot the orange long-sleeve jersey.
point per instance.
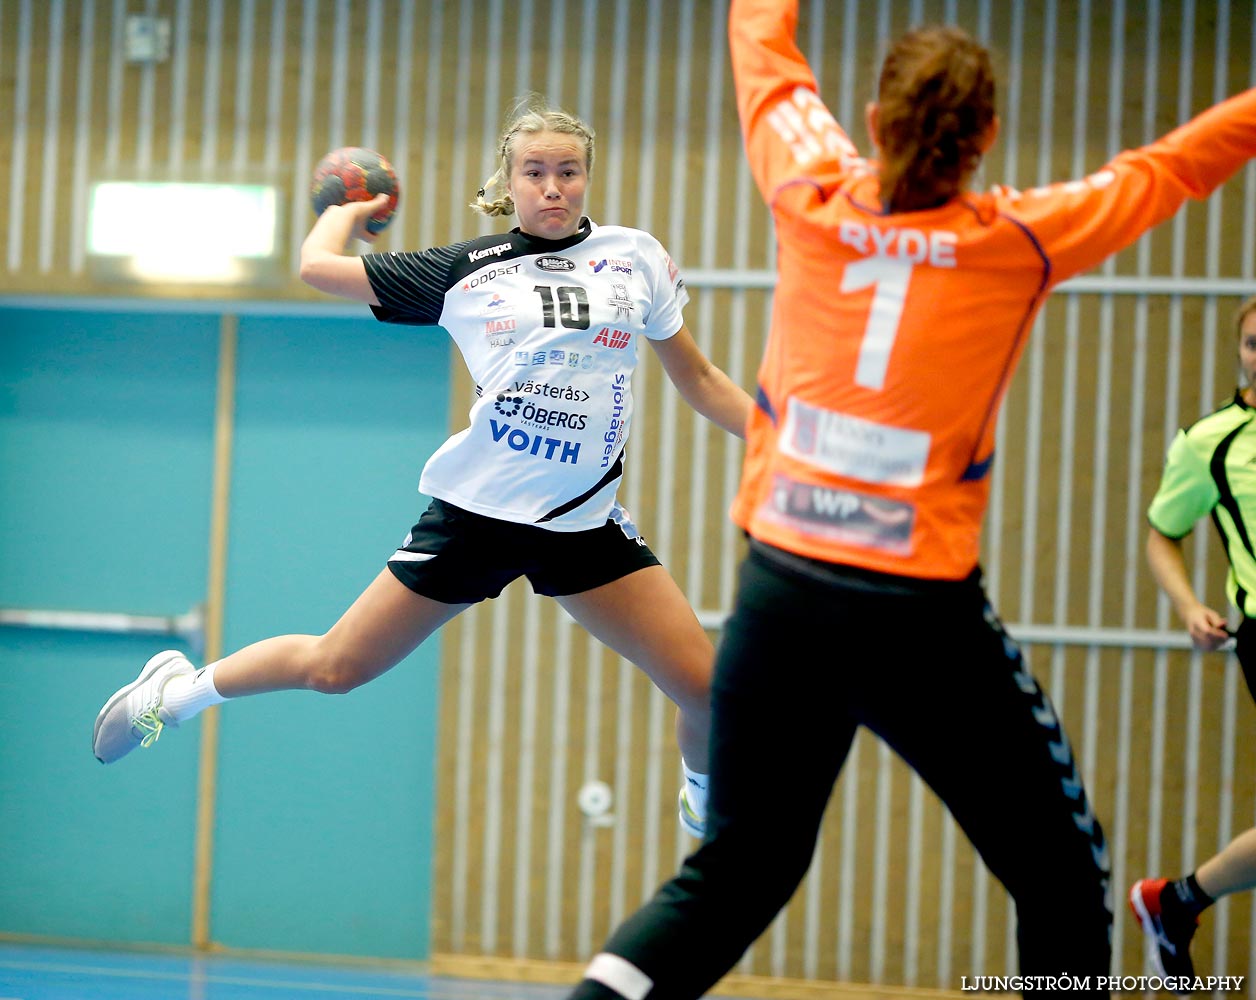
(894, 336)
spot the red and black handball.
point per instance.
(355, 174)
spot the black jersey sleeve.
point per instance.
(411, 286)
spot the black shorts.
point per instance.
(1245, 651)
(457, 557)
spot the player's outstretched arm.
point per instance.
(789, 135)
(1168, 566)
(1080, 223)
(704, 386)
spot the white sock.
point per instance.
(185, 697)
(695, 790)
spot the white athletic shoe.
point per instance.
(694, 824)
(134, 716)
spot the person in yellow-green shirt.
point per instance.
(1210, 470)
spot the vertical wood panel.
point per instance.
(84, 86)
(19, 90)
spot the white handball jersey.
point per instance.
(549, 331)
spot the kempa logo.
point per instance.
(496, 251)
(555, 264)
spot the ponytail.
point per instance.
(936, 98)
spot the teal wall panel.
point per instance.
(105, 464)
(106, 443)
(87, 851)
(324, 805)
(324, 837)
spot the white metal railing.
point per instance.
(189, 626)
(1049, 635)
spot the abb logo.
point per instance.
(609, 337)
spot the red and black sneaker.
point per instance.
(1171, 938)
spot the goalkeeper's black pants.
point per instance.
(812, 652)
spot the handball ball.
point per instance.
(355, 174)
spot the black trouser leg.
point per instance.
(778, 740)
(1245, 651)
(981, 732)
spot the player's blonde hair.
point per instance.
(529, 116)
(936, 95)
(1244, 310)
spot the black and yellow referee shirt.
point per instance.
(1211, 469)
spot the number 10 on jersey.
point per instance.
(573, 305)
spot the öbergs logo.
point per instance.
(555, 264)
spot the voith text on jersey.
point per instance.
(914, 246)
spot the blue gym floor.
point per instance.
(29, 972)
